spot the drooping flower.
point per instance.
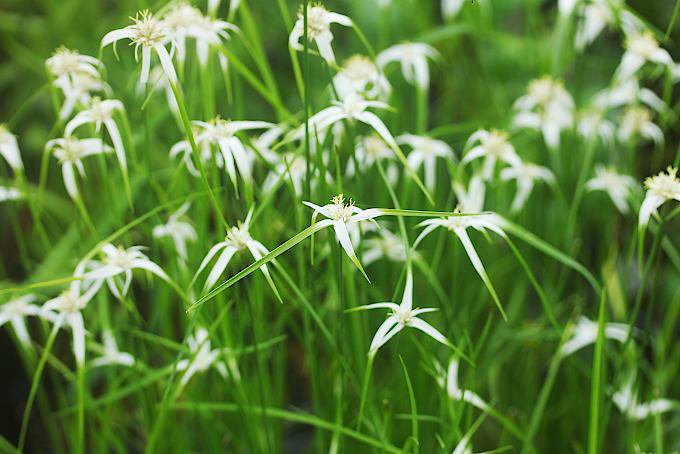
(9, 149)
(585, 333)
(526, 174)
(184, 21)
(470, 201)
(360, 75)
(618, 186)
(9, 193)
(626, 401)
(637, 120)
(238, 239)
(339, 215)
(319, 21)
(111, 356)
(660, 188)
(595, 16)
(70, 152)
(401, 316)
(78, 90)
(101, 112)
(15, 312)
(222, 134)
(181, 231)
(68, 306)
(546, 107)
(201, 357)
(493, 146)
(641, 47)
(120, 261)
(425, 151)
(147, 33)
(626, 93)
(455, 392)
(413, 59)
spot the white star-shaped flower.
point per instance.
(618, 186)
(9, 149)
(111, 355)
(15, 311)
(70, 152)
(585, 333)
(660, 188)
(201, 357)
(492, 146)
(425, 151)
(413, 59)
(181, 231)
(641, 47)
(526, 174)
(319, 21)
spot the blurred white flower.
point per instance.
(70, 152)
(636, 121)
(401, 316)
(339, 215)
(470, 201)
(627, 92)
(146, 33)
(526, 174)
(319, 21)
(413, 59)
(181, 231)
(369, 150)
(67, 308)
(201, 357)
(291, 167)
(78, 91)
(464, 446)
(101, 112)
(585, 333)
(352, 107)
(592, 123)
(618, 186)
(546, 107)
(456, 393)
(384, 245)
(451, 8)
(184, 21)
(425, 151)
(111, 355)
(263, 143)
(66, 63)
(9, 193)
(626, 401)
(492, 145)
(641, 47)
(9, 149)
(566, 7)
(660, 188)
(119, 260)
(360, 75)
(595, 16)
(222, 134)
(238, 239)
(15, 311)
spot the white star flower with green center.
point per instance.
(181, 231)
(15, 312)
(238, 239)
(526, 174)
(401, 316)
(201, 357)
(641, 47)
(470, 201)
(66, 63)
(660, 188)
(618, 186)
(360, 75)
(147, 33)
(413, 60)
(319, 21)
(70, 152)
(425, 151)
(339, 215)
(222, 134)
(119, 260)
(637, 120)
(492, 145)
